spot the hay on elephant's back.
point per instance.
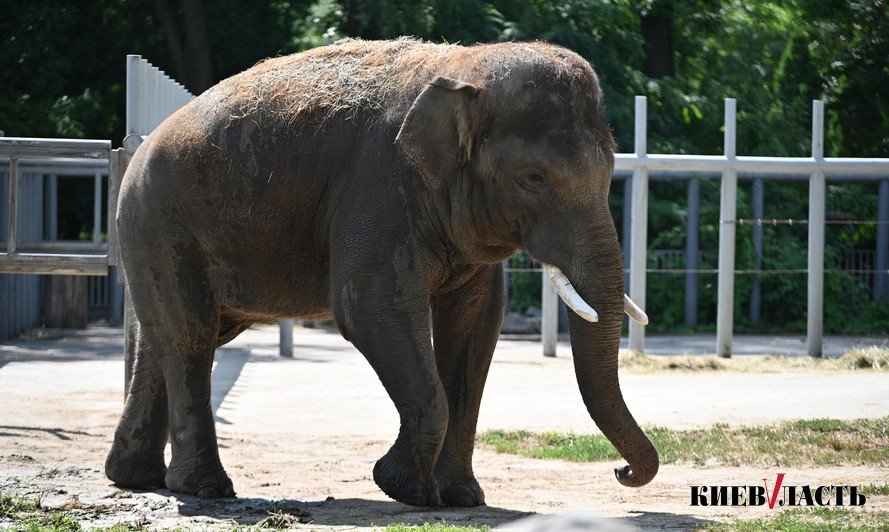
(354, 77)
(350, 77)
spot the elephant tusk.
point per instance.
(569, 295)
(633, 311)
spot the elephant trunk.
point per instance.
(597, 274)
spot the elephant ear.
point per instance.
(436, 134)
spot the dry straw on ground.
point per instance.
(875, 358)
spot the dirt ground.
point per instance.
(302, 435)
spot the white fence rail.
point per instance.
(819, 168)
(152, 96)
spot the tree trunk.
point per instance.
(193, 61)
(657, 32)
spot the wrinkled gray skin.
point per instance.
(378, 183)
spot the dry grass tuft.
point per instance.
(873, 358)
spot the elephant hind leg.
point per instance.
(179, 329)
(136, 459)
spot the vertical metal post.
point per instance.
(51, 207)
(505, 266)
(12, 238)
(817, 190)
(130, 325)
(691, 253)
(758, 213)
(97, 208)
(638, 251)
(627, 229)
(727, 213)
(549, 315)
(881, 279)
(134, 94)
(286, 337)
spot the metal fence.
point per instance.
(29, 227)
(729, 167)
(152, 96)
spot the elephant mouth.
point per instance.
(583, 309)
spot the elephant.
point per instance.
(379, 184)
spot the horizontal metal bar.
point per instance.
(752, 272)
(64, 247)
(789, 221)
(24, 146)
(684, 175)
(780, 165)
(48, 264)
(61, 166)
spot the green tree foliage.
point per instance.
(63, 75)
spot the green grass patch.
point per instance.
(19, 513)
(803, 442)
(814, 520)
(873, 489)
(435, 527)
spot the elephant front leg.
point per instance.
(466, 324)
(386, 316)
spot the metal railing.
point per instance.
(729, 166)
(53, 256)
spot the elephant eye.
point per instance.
(533, 181)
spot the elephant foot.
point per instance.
(464, 493)
(204, 482)
(134, 471)
(397, 476)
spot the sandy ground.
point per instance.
(303, 434)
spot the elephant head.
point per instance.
(515, 147)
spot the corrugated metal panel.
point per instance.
(21, 296)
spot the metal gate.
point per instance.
(25, 245)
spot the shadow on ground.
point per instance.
(365, 513)
(337, 512)
(663, 520)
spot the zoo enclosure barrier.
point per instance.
(817, 169)
(29, 227)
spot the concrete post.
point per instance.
(129, 341)
(691, 253)
(286, 338)
(727, 216)
(639, 238)
(817, 186)
(115, 287)
(756, 292)
(881, 279)
(549, 315)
